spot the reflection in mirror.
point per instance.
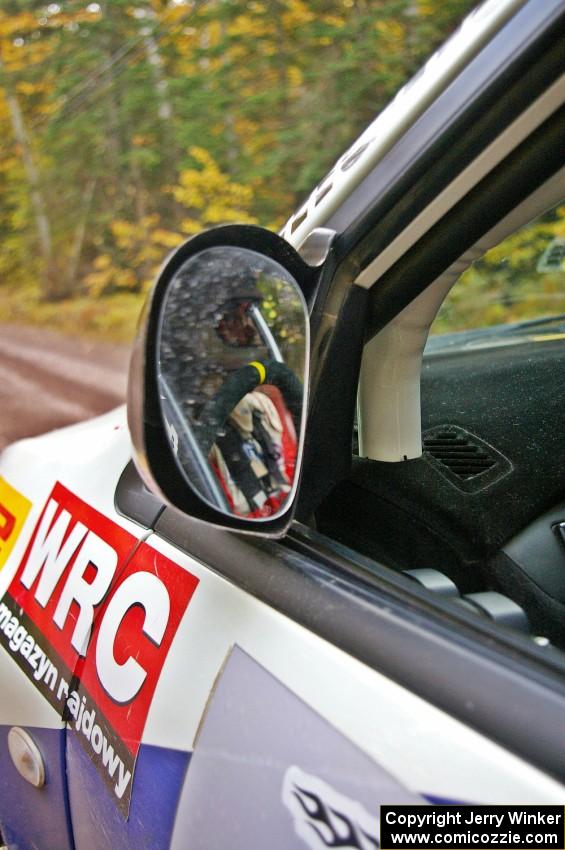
(231, 371)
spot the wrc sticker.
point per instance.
(14, 509)
(90, 617)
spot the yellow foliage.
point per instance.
(184, 46)
(127, 279)
(527, 245)
(28, 89)
(47, 108)
(190, 226)
(425, 9)
(508, 284)
(140, 249)
(333, 21)
(12, 25)
(298, 14)
(202, 156)
(97, 282)
(103, 261)
(129, 233)
(245, 128)
(9, 163)
(210, 195)
(392, 32)
(16, 58)
(256, 142)
(248, 26)
(295, 76)
(121, 230)
(237, 52)
(4, 110)
(267, 48)
(174, 15)
(494, 314)
(559, 225)
(166, 237)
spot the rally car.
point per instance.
(317, 565)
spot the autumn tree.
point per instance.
(132, 125)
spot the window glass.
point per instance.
(521, 280)
(491, 479)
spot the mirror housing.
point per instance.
(195, 358)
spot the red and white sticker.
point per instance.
(90, 617)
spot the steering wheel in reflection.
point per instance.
(215, 412)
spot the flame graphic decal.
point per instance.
(326, 818)
(348, 836)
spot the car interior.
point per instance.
(479, 516)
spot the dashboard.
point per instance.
(483, 505)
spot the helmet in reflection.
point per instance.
(213, 321)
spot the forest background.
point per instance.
(128, 126)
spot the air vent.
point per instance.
(466, 460)
(456, 451)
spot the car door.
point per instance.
(28, 721)
(61, 520)
(275, 718)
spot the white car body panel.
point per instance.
(426, 750)
(408, 105)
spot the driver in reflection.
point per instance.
(236, 327)
(254, 458)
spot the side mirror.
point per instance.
(218, 379)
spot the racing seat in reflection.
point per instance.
(254, 457)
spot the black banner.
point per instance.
(472, 827)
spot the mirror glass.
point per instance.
(231, 374)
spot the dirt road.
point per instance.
(47, 380)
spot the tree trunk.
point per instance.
(165, 111)
(80, 232)
(49, 280)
